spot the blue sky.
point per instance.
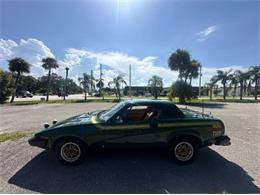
(82, 34)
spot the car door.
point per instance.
(126, 128)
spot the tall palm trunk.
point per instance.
(235, 91)
(256, 89)
(15, 87)
(118, 92)
(210, 93)
(85, 93)
(224, 91)
(48, 85)
(241, 90)
(190, 80)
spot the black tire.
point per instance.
(189, 148)
(70, 151)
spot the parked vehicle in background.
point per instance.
(24, 94)
(147, 94)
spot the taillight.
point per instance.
(217, 129)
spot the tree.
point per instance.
(211, 85)
(223, 77)
(5, 82)
(255, 75)
(48, 64)
(193, 71)
(85, 82)
(246, 79)
(18, 66)
(117, 81)
(182, 90)
(234, 81)
(180, 61)
(241, 76)
(28, 83)
(156, 85)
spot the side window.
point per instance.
(135, 113)
(171, 113)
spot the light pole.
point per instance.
(200, 81)
(91, 83)
(65, 91)
(100, 82)
(130, 92)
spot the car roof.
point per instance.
(150, 102)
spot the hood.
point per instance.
(86, 118)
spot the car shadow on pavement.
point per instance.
(134, 171)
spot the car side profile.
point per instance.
(133, 123)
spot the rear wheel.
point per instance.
(184, 151)
(70, 151)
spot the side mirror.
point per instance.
(46, 125)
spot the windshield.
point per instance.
(109, 113)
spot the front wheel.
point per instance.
(184, 151)
(70, 151)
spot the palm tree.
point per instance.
(194, 70)
(180, 61)
(156, 85)
(255, 75)
(18, 66)
(211, 85)
(85, 82)
(234, 81)
(100, 85)
(117, 81)
(223, 77)
(246, 79)
(48, 64)
(241, 76)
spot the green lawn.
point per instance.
(13, 136)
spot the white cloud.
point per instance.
(32, 50)
(82, 60)
(6, 47)
(205, 33)
(118, 63)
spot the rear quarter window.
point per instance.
(171, 112)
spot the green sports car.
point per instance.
(133, 123)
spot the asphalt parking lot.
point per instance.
(218, 169)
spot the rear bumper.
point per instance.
(36, 141)
(222, 141)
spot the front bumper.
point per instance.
(36, 141)
(222, 141)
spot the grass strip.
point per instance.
(13, 136)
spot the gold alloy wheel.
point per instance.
(184, 151)
(70, 152)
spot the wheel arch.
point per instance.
(56, 141)
(196, 139)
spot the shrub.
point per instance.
(181, 90)
(5, 82)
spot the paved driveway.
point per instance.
(233, 169)
(32, 117)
